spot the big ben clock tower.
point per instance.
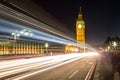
(80, 30)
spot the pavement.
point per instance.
(103, 69)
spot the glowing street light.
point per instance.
(26, 32)
(76, 50)
(69, 44)
(108, 48)
(15, 35)
(46, 46)
(114, 44)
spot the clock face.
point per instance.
(79, 26)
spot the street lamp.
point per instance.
(114, 44)
(108, 48)
(46, 46)
(15, 35)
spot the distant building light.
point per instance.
(46, 45)
(114, 44)
(26, 33)
(17, 34)
(21, 32)
(108, 47)
(13, 34)
(76, 50)
(101, 48)
(69, 44)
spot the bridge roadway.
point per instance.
(59, 67)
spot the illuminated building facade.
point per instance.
(80, 30)
(111, 44)
(10, 47)
(71, 49)
(19, 47)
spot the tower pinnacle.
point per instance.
(80, 10)
(80, 14)
(80, 31)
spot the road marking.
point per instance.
(73, 74)
(40, 71)
(89, 74)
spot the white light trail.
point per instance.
(26, 19)
(21, 65)
(10, 27)
(51, 67)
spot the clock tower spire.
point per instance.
(80, 16)
(80, 30)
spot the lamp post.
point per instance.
(15, 36)
(46, 46)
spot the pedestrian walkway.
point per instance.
(102, 71)
(116, 76)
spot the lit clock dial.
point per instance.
(79, 26)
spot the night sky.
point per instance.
(102, 17)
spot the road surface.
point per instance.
(60, 67)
